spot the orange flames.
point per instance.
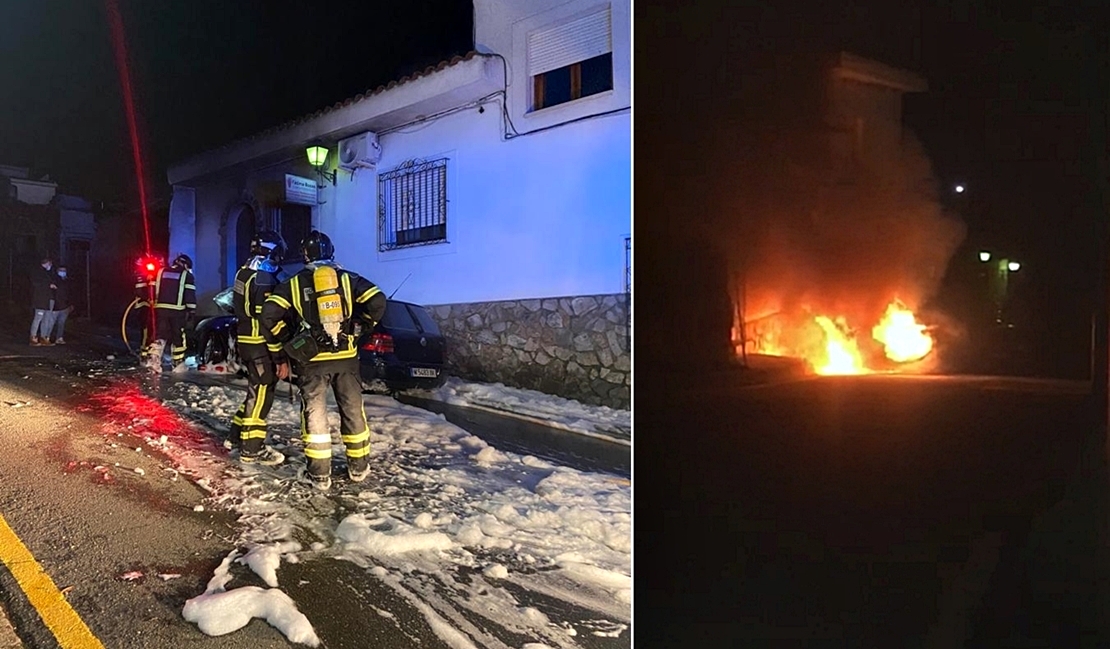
(836, 349)
(842, 354)
(904, 339)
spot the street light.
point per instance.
(960, 189)
(317, 156)
(1013, 266)
(984, 256)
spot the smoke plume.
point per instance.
(815, 231)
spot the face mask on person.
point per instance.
(62, 274)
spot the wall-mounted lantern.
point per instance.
(317, 157)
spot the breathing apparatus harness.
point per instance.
(333, 317)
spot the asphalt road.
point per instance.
(70, 489)
(869, 511)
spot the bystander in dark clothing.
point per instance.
(42, 301)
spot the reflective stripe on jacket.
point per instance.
(175, 289)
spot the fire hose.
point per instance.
(123, 325)
(127, 343)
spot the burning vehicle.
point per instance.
(842, 237)
(833, 346)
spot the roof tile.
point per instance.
(431, 69)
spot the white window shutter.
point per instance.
(580, 39)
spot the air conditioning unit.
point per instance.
(360, 151)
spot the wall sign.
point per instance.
(300, 190)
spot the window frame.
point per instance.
(522, 90)
(539, 82)
(389, 221)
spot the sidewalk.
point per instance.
(81, 335)
(92, 334)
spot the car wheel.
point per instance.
(213, 350)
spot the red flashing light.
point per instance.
(379, 343)
(148, 265)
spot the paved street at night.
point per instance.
(867, 511)
(123, 522)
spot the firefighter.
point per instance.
(144, 279)
(175, 302)
(325, 302)
(253, 284)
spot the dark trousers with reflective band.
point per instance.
(314, 421)
(249, 424)
(171, 328)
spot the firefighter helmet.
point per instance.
(183, 261)
(317, 247)
(269, 244)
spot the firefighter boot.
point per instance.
(269, 456)
(319, 482)
(153, 361)
(358, 472)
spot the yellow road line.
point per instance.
(68, 627)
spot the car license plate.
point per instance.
(428, 372)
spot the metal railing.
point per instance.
(412, 205)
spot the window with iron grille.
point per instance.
(412, 205)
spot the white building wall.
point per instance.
(183, 218)
(34, 192)
(537, 216)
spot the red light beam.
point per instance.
(120, 48)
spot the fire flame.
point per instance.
(841, 352)
(904, 339)
(832, 348)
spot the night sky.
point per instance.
(204, 72)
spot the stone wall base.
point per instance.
(573, 347)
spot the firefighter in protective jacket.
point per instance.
(175, 301)
(326, 302)
(254, 282)
(144, 279)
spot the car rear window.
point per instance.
(425, 319)
(397, 317)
